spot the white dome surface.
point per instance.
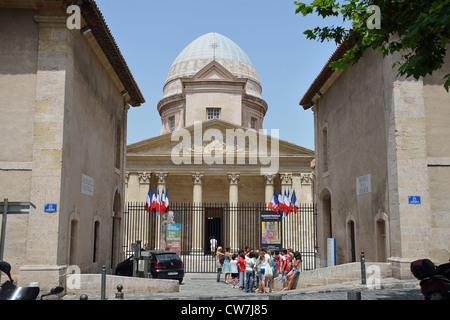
(209, 47)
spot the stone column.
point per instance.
(144, 185)
(197, 223)
(270, 181)
(161, 180)
(233, 179)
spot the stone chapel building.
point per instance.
(212, 89)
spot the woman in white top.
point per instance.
(263, 263)
(249, 272)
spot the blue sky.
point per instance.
(151, 34)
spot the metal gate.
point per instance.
(187, 229)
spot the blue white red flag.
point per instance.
(167, 201)
(280, 203)
(273, 205)
(294, 201)
(148, 201)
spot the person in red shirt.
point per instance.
(241, 267)
(285, 267)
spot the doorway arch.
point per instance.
(381, 236)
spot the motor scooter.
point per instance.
(434, 280)
(9, 291)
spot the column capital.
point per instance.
(233, 178)
(197, 177)
(286, 178)
(161, 177)
(307, 178)
(270, 178)
(144, 177)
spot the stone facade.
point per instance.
(237, 183)
(63, 140)
(379, 140)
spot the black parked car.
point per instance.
(162, 265)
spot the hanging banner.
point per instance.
(271, 231)
(173, 237)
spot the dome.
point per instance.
(203, 50)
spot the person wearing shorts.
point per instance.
(296, 266)
(285, 267)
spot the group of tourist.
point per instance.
(254, 270)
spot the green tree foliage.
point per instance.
(418, 29)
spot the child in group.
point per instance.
(234, 271)
(277, 262)
(274, 257)
(261, 269)
(241, 268)
(255, 257)
(285, 267)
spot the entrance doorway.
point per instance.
(213, 227)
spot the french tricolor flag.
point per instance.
(148, 202)
(295, 202)
(273, 205)
(280, 203)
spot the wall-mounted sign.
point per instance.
(50, 207)
(87, 185)
(363, 185)
(414, 200)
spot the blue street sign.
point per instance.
(414, 200)
(50, 207)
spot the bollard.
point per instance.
(84, 297)
(363, 268)
(119, 293)
(103, 287)
(276, 297)
(204, 298)
(353, 295)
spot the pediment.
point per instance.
(214, 71)
(212, 137)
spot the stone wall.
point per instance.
(91, 284)
(337, 274)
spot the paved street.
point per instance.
(205, 286)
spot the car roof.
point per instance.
(162, 252)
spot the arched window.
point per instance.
(96, 241)
(73, 246)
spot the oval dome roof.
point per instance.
(209, 47)
(213, 46)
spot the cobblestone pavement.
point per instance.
(205, 286)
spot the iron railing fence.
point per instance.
(188, 228)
